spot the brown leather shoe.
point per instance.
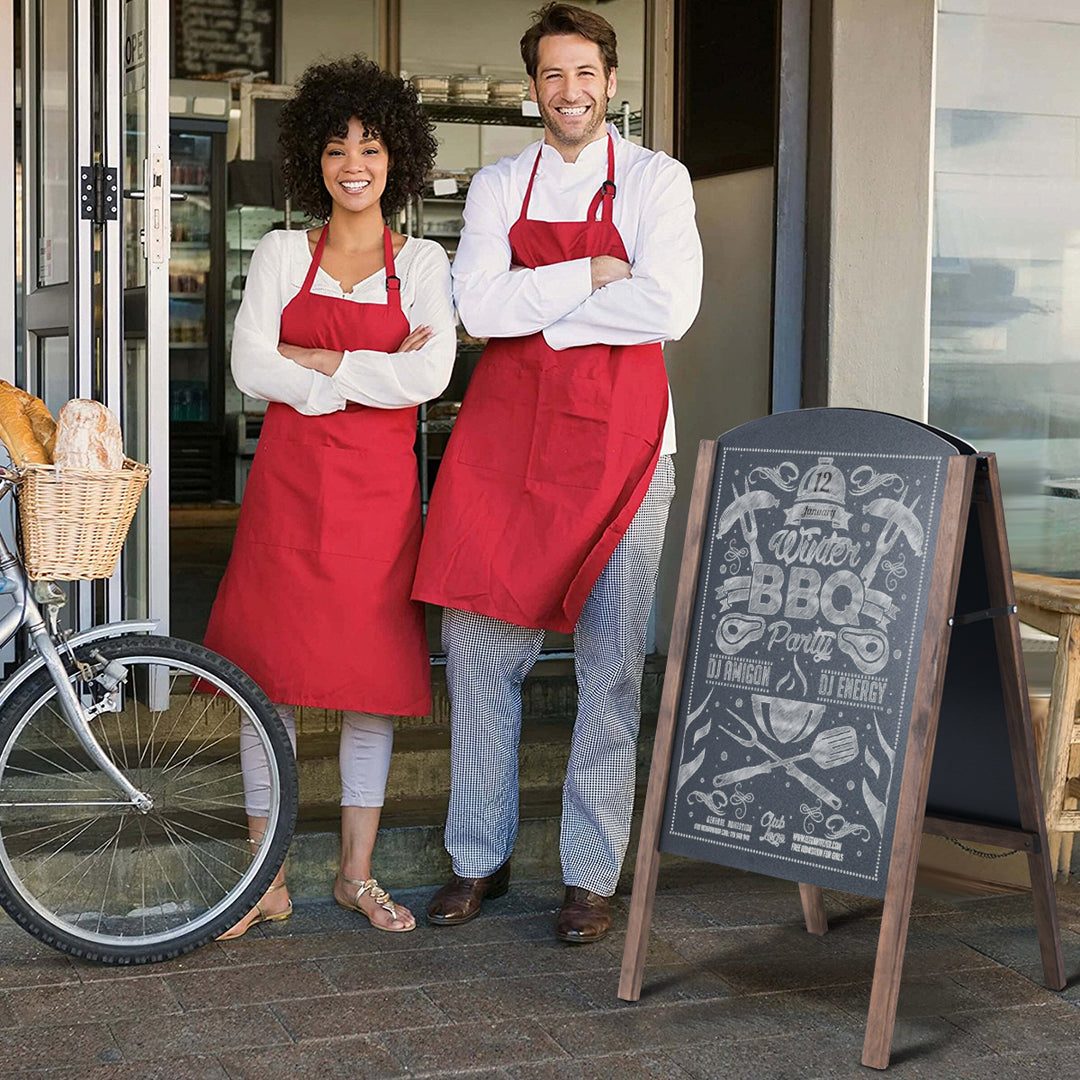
(459, 901)
(585, 916)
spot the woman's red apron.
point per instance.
(551, 453)
(315, 602)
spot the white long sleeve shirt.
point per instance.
(654, 214)
(382, 380)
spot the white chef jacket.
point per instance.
(276, 274)
(654, 213)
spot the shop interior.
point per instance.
(231, 70)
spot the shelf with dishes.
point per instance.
(486, 99)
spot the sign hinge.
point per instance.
(978, 616)
(98, 194)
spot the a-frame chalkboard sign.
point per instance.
(844, 600)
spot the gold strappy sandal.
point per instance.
(380, 896)
(260, 916)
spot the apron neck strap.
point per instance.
(393, 282)
(532, 179)
(316, 259)
(605, 195)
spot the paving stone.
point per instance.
(1001, 986)
(132, 999)
(24, 961)
(539, 957)
(1034, 1028)
(211, 1030)
(54, 1047)
(746, 909)
(1014, 945)
(345, 1059)
(392, 971)
(622, 1030)
(356, 1014)
(211, 955)
(490, 929)
(248, 985)
(647, 1065)
(658, 985)
(538, 996)
(771, 1058)
(659, 953)
(928, 995)
(486, 1044)
(182, 1068)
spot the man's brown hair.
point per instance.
(567, 19)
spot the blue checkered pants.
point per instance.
(487, 661)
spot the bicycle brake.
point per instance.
(109, 676)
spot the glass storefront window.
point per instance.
(54, 141)
(1005, 308)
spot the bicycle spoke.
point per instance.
(245, 851)
(108, 877)
(175, 838)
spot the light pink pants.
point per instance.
(363, 757)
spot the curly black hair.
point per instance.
(327, 96)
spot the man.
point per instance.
(577, 259)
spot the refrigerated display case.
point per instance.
(196, 311)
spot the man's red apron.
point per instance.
(315, 602)
(551, 453)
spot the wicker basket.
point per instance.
(74, 521)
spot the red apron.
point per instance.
(315, 602)
(550, 456)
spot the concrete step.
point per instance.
(409, 851)
(420, 766)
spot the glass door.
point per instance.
(141, 361)
(95, 218)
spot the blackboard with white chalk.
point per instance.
(808, 624)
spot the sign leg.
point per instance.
(915, 782)
(1002, 592)
(637, 929)
(648, 858)
(890, 962)
(813, 905)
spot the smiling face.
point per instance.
(571, 89)
(354, 168)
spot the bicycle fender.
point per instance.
(95, 633)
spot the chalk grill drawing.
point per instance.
(801, 672)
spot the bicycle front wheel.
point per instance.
(84, 870)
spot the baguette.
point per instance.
(26, 427)
(88, 437)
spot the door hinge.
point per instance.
(98, 194)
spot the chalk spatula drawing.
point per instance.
(830, 749)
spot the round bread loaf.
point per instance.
(26, 426)
(88, 437)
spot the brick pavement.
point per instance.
(734, 988)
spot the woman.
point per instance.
(344, 329)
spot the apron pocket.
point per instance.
(570, 440)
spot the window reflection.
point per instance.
(1005, 308)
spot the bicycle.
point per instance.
(123, 830)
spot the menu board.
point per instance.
(214, 36)
(807, 629)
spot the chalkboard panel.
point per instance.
(972, 777)
(807, 630)
(213, 36)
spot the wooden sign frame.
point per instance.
(972, 491)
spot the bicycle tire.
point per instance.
(29, 717)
